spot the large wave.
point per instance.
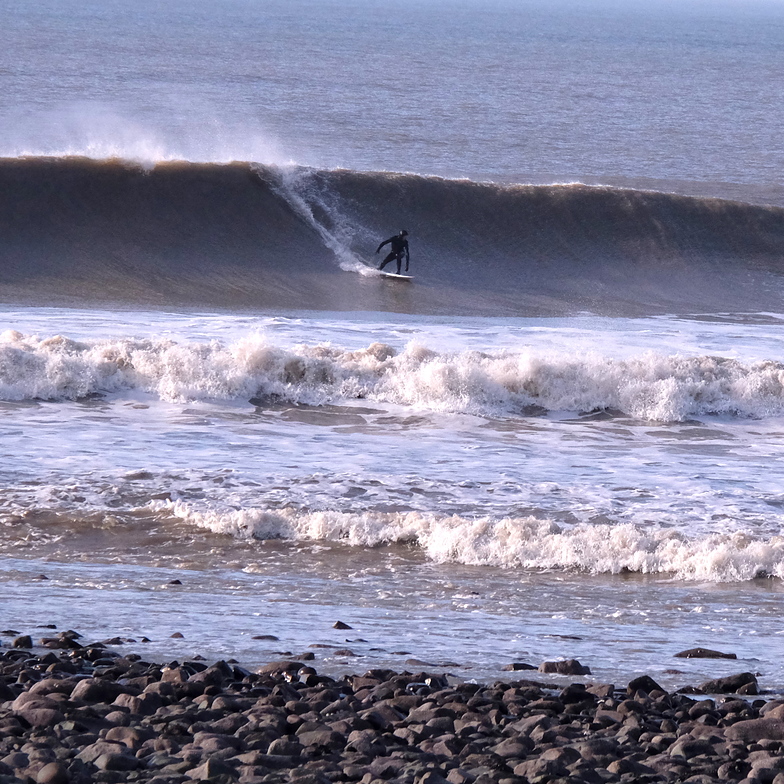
(252, 236)
(649, 386)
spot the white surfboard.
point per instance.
(396, 276)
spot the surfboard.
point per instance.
(396, 276)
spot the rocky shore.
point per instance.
(77, 712)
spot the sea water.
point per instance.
(439, 515)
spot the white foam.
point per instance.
(649, 386)
(305, 192)
(522, 542)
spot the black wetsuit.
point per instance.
(399, 249)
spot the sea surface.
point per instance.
(563, 439)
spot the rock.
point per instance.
(53, 773)
(517, 666)
(96, 690)
(24, 641)
(626, 766)
(754, 730)
(340, 625)
(282, 746)
(539, 770)
(566, 667)
(53, 686)
(430, 777)
(41, 717)
(177, 636)
(211, 742)
(643, 683)
(280, 667)
(131, 737)
(323, 739)
(117, 761)
(267, 637)
(688, 747)
(704, 653)
(731, 684)
(515, 748)
(212, 769)
(93, 751)
(16, 760)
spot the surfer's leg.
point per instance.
(386, 261)
(399, 262)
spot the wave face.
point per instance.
(650, 386)
(242, 235)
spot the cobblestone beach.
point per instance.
(72, 711)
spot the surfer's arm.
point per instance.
(385, 242)
(406, 251)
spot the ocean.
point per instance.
(561, 440)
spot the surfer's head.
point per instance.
(403, 233)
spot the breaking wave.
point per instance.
(244, 235)
(648, 386)
(527, 543)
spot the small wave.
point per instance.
(512, 543)
(649, 386)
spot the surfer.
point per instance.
(399, 245)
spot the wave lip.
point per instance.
(650, 386)
(510, 543)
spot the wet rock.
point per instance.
(643, 683)
(277, 668)
(704, 653)
(732, 684)
(340, 625)
(23, 641)
(566, 667)
(517, 666)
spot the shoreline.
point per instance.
(78, 711)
